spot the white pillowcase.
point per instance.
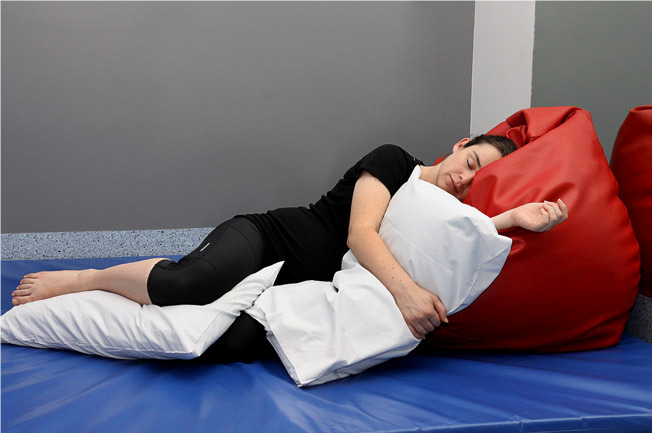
(324, 331)
(106, 324)
(328, 330)
(449, 248)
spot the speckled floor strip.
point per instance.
(640, 319)
(71, 245)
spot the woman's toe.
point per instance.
(20, 300)
(21, 292)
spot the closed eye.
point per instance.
(477, 158)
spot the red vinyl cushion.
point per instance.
(567, 289)
(631, 162)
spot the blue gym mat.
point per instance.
(608, 390)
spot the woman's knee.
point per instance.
(229, 253)
(196, 283)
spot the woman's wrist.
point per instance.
(504, 220)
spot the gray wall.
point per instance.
(121, 115)
(595, 55)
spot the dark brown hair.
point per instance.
(503, 144)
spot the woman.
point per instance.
(311, 241)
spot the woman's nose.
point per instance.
(467, 178)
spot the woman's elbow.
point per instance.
(350, 241)
(357, 236)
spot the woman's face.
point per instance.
(457, 171)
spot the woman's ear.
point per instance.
(460, 144)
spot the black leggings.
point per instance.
(231, 252)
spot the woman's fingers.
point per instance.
(550, 210)
(555, 209)
(553, 214)
(421, 330)
(564, 208)
(416, 334)
(425, 326)
(440, 308)
(544, 225)
(425, 315)
(428, 326)
(438, 317)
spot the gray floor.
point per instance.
(640, 319)
(72, 245)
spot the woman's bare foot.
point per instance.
(128, 280)
(43, 285)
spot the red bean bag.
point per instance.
(567, 289)
(631, 163)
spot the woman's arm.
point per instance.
(537, 217)
(422, 310)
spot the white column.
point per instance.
(503, 44)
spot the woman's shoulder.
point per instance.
(389, 163)
(392, 154)
(389, 148)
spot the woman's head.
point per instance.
(456, 173)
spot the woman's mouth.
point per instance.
(453, 187)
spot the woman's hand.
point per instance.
(421, 310)
(540, 217)
(537, 217)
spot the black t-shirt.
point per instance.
(312, 240)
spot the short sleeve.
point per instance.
(390, 164)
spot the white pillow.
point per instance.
(449, 248)
(324, 331)
(106, 324)
(328, 330)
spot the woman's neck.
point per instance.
(429, 173)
